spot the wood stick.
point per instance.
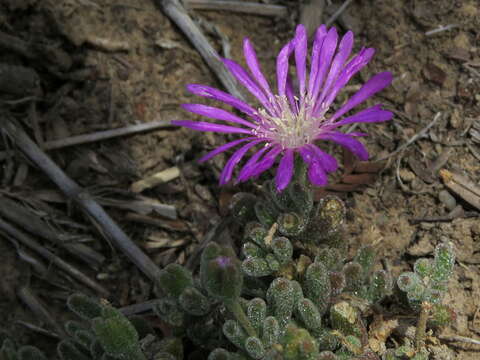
(39, 309)
(176, 12)
(414, 138)
(79, 196)
(32, 244)
(30, 222)
(98, 136)
(158, 178)
(238, 6)
(337, 13)
(463, 187)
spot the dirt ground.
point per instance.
(129, 64)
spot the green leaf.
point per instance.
(67, 350)
(84, 306)
(254, 347)
(366, 258)
(194, 302)
(280, 298)
(317, 286)
(174, 279)
(117, 335)
(30, 353)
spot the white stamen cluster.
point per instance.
(290, 128)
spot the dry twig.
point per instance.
(238, 6)
(100, 135)
(32, 244)
(155, 179)
(453, 338)
(462, 186)
(30, 222)
(176, 12)
(73, 191)
(39, 309)
(414, 138)
(339, 12)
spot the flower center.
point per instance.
(291, 125)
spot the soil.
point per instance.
(138, 64)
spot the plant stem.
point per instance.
(236, 309)
(422, 325)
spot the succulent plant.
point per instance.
(429, 280)
(292, 294)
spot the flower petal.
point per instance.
(284, 170)
(326, 54)
(327, 161)
(373, 114)
(300, 42)
(344, 51)
(206, 126)
(254, 66)
(348, 142)
(317, 175)
(242, 76)
(223, 148)
(371, 87)
(216, 113)
(291, 95)
(227, 171)
(212, 93)
(267, 161)
(320, 35)
(247, 169)
(353, 67)
(282, 67)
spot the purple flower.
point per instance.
(292, 120)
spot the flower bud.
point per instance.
(220, 272)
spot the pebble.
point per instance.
(447, 199)
(406, 175)
(456, 119)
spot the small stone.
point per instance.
(427, 226)
(456, 119)
(447, 199)
(435, 74)
(406, 175)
